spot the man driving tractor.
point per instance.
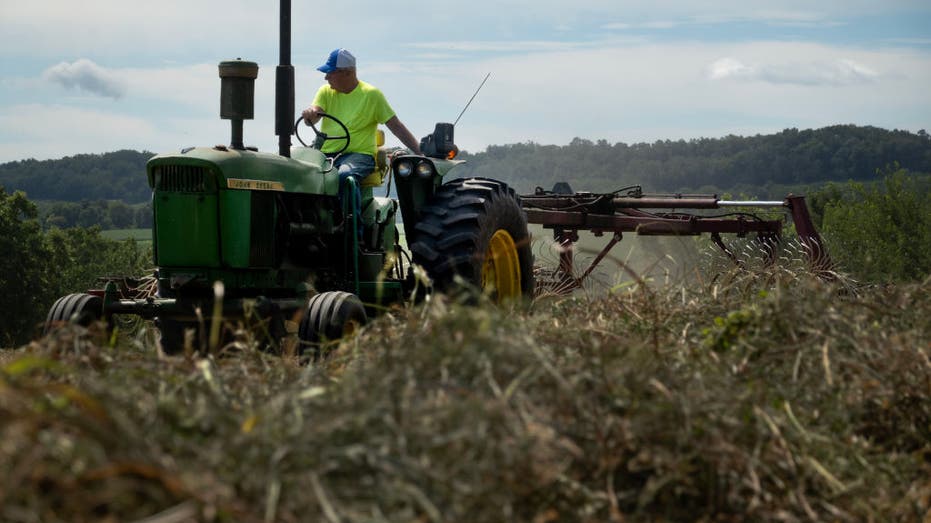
(361, 107)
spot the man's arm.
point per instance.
(398, 129)
(312, 114)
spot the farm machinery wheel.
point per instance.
(475, 229)
(82, 309)
(330, 316)
(171, 332)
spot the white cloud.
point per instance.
(190, 85)
(729, 68)
(910, 41)
(87, 76)
(662, 24)
(620, 93)
(505, 46)
(648, 92)
(553, 75)
(113, 27)
(811, 20)
(837, 72)
(53, 131)
(178, 28)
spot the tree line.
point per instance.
(106, 214)
(106, 190)
(763, 164)
(117, 175)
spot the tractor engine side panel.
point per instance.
(185, 206)
(247, 229)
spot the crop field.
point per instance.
(754, 396)
(140, 235)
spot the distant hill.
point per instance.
(118, 175)
(732, 164)
(758, 164)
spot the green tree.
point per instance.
(882, 232)
(37, 267)
(83, 256)
(121, 215)
(143, 216)
(24, 268)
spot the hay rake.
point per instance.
(630, 210)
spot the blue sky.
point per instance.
(101, 75)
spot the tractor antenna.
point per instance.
(470, 99)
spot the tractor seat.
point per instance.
(381, 163)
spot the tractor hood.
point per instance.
(222, 168)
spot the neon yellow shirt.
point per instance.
(361, 110)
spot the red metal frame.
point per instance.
(567, 214)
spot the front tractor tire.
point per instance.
(330, 316)
(475, 229)
(82, 309)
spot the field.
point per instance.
(764, 396)
(140, 235)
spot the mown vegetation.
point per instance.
(765, 397)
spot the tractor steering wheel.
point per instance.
(322, 137)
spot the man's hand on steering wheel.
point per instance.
(310, 115)
(321, 137)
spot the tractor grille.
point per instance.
(181, 178)
(262, 243)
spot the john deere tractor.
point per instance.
(275, 231)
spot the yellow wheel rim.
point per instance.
(501, 270)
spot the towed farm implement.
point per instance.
(630, 210)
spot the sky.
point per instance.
(94, 76)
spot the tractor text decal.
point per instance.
(255, 185)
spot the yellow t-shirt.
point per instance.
(361, 110)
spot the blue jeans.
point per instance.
(357, 165)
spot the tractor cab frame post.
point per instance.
(284, 83)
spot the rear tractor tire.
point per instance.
(475, 229)
(82, 309)
(330, 316)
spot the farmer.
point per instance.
(359, 105)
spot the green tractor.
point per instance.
(274, 230)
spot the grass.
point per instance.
(140, 235)
(769, 396)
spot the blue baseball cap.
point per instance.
(338, 59)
